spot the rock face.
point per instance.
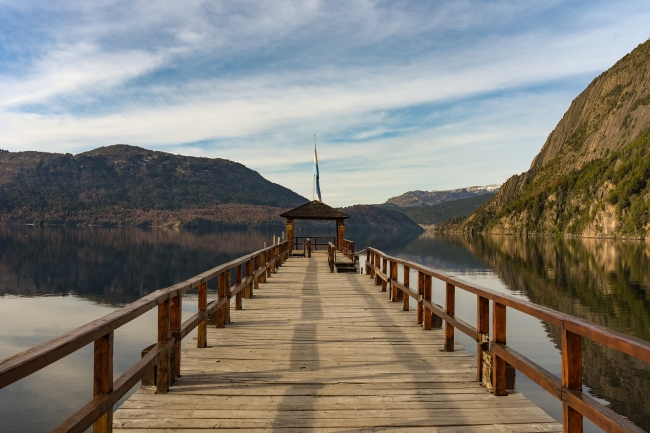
(428, 198)
(590, 178)
(127, 185)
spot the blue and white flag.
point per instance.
(316, 176)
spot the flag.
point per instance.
(316, 176)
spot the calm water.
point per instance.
(55, 279)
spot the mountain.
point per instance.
(373, 218)
(438, 213)
(428, 198)
(591, 176)
(127, 185)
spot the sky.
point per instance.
(402, 95)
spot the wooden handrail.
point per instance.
(98, 411)
(347, 248)
(568, 389)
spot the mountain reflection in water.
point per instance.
(604, 281)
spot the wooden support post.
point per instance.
(308, 247)
(427, 297)
(103, 379)
(256, 280)
(164, 334)
(228, 282)
(221, 294)
(269, 263)
(377, 266)
(571, 378)
(407, 277)
(420, 310)
(248, 293)
(238, 296)
(450, 308)
(499, 336)
(202, 334)
(176, 316)
(367, 268)
(262, 264)
(483, 330)
(393, 274)
(384, 269)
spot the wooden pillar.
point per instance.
(340, 232)
(499, 336)
(377, 267)
(221, 294)
(407, 277)
(571, 378)
(228, 281)
(420, 310)
(483, 330)
(238, 296)
(202, 335)
(164, 334)
(308, 247)
(427, 296)
(384, 269)
(248, 293)
(367, 268)
(269, 263)
(263, 264)
(103, 379)
(176, 316)
(256, 280)
(450, 308)
(393, 274)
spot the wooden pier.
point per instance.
(307, 348)
(321, 351)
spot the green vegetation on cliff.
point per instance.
(591, 176)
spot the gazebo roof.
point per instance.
(315, 210)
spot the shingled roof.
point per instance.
(314, 210)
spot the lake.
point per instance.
(53, 279)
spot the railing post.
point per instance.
(483, 330)
(164, 334)
(407, 277)
(202, 333)
(393, 274)
(308, 246)
(450, 308)
(238, 296)
(176, 316)
(420, 309)
(367, 268)
(256, 279)
(103, 379)
(384, 269)
(221, 294)
(269, 263)
(264, 264)
(427, 297)
(377, 267)
(248, 293)
(228, 280)
(571, 378)
(499, 336)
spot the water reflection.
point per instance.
(604, 281)
(113, 266)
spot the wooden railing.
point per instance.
(316, 241)
(347, 248)
(250, 270)
(568, 388)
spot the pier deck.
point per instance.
(321, 351)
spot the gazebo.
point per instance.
(316, 210)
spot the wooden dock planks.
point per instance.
(321, 351)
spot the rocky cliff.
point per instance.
(590, 178)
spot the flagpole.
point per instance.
(313, 187)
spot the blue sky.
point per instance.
(403, 95)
